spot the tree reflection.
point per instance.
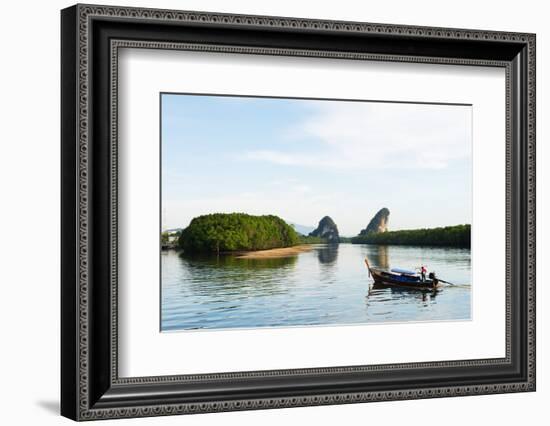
(233, 261)
(232, 278)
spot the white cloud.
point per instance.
(378, 135)
(302, 159)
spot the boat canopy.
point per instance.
(403, 271)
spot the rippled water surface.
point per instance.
(326, 286)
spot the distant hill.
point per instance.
(173, 230)
(379, 223)
(327, 230)
(302, 229)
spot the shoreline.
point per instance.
(277, 252)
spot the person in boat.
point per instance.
(423, 271)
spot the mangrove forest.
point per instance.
(452, 236)
(229, 232)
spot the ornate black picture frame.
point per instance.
(91, 37)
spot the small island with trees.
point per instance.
(230, 232)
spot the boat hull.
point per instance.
(383, 278)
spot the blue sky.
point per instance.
(304, 159)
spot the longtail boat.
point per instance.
(398, 277)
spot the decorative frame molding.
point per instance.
(91, 37)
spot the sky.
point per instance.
(305, 159)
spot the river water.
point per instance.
(326, 286)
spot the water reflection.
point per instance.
(328, 254)
(380, 258)
(377, 289)
(327, 285)
(234, 261)
(234, 278)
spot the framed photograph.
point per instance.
(263, 212)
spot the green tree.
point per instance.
(226, 232)
(453, 236)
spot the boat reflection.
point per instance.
(404, 290)
(383, 293)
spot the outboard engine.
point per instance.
(431, 276)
